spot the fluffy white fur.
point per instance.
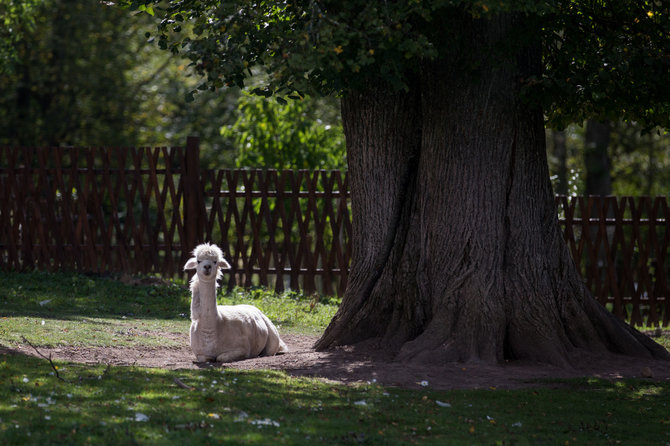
(225, 333)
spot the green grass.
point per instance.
(290, 311)
(658, 334)
(131, 405)
(70, 309)
(664, 339)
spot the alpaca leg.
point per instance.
(233, 355)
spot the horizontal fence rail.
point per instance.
(143, 210)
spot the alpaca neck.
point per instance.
(207, 301)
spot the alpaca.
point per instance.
(225, 333)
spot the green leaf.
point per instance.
(145, 8)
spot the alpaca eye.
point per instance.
(198, 262)
(215, 263)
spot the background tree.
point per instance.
(597, 159)
(639, 160)
(82, 73)
(457, 250)
(64, 73)
(286, 136)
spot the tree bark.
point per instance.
(457, 251)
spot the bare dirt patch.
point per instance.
(364, 363)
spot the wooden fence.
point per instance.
(142, 210)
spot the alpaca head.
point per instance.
(207, 261)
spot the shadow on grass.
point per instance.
(130, 405)
(94, 404)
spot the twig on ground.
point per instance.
(179, 382)
(53, 366)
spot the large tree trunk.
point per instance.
(458, 255)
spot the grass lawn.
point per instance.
(70, 309)
(90, 404)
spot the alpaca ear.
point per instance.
(192, 263)
(223, 264)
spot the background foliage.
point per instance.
(83, 72)
(287, 136)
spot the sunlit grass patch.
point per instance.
(54, 309)
(290, 310)
(91, 331)
(658, 334)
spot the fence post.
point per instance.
(192, 197)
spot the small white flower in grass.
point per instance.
(216, 416)
(360, 403)
(265, 422)
(141, 417)
(423, 383)
(517, 424)
(42, 322)
(241, 416)
(25, 380)
(47, 417)
(43, 303)
(441, 404)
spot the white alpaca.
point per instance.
(225, 333)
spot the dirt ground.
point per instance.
(365, 364)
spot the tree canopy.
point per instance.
(603, 59)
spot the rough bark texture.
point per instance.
(458, 255)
